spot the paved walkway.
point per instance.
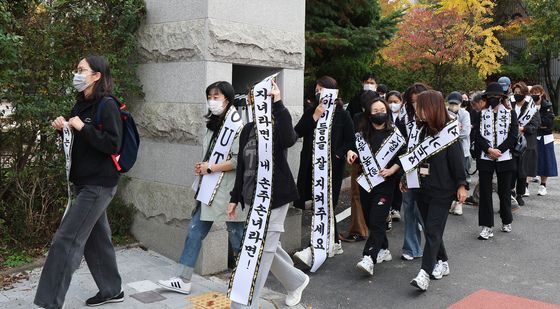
(139, 270)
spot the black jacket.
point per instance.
(342, 133)
(92, 148)
(355, 105)
(547, 119)
(283, 185)
(446, 172)
(481, 144)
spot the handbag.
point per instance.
(520, 146)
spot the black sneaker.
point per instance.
(520, 200)
(97, 300)
(470, 201)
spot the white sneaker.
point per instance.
(407, 257)
(305, 256)
(486, 233)
(366, 265)
(293, 298)
(542, 190)
(175, 284)
(441, 269)
(395, 215)
(526, 192)
(452, 208)
(537, 179)
(337, 249)
(422, 280)
(506, 228)
(384, 255)
(458, 209)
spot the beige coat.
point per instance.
(218, 210)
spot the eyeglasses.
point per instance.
(80, 71)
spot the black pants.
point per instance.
(376, 206)
(397, 198)
(485, 205)
(434, 211)
(518, 176)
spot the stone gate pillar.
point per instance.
(184, 46)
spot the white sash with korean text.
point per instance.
(530, 111)
(372, 165)
(412, 180)
(430, 146)
(495, 131)
(242, 282)
(67, 142)
(209, 183)
(322, 227)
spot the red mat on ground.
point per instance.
(484, 299)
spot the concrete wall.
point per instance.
(184, 46)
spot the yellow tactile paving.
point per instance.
(210, 300)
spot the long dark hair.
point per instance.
(432, 105)
(416, 88)
(104, 86)
(365, 126)
(213, 122)
(326, 81)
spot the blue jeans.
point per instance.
(412, 234)
(197, 232)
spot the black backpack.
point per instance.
(125, 159)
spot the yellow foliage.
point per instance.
(485, 50)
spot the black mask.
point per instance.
(536, 98)
(518, 97)
(317, 97)
(378, 118)
(493, 102)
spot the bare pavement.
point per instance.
(512, 270)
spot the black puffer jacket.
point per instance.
(92, 148)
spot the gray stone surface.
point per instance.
(171, 122)
(140, 270)
(223, 41)
(175, 10)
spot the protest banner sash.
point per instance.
(221, 151)
(372, 165)
(420, 151)
(322, 227)
(495, 131)
(242, 282)
(67, 143)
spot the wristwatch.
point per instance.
(208, 170)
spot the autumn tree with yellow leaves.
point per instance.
(440, 35)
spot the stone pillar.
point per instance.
(184, 46)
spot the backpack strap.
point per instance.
(100, 107)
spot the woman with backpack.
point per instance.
(84, 230)
(223, 123)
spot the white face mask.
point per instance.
(454, 107)
(395, 107)
(216, 107)
(79, 82)
(370, 87)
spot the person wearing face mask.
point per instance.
(412, 220)
(455, 99)
(394, 98)
(220, 97)
(545, 140)
(529, 121)
(369, 83)
(376, 128)
(84, 230)
(342, 131)
(495, 136)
